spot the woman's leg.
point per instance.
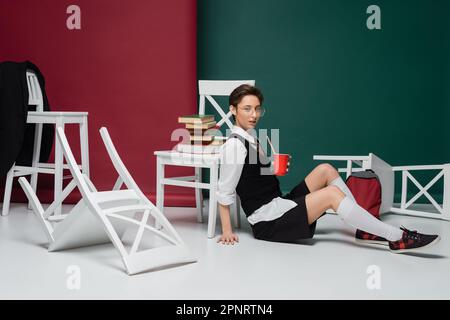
(324, 175)
(321, 176)
(319, 201)
(332, 197)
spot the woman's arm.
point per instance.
(227, 237)
(232, 158)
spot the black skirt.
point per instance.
(291, 226)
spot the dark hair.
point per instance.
(242, 91)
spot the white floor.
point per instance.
(330, 266)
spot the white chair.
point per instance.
(207, 89)
(386, 174)
(101, 217)
(59, 119)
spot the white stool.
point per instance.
(59, 119)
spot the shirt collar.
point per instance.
(246, 135)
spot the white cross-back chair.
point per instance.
(123, 217)
(59, 119)
(207, 90)
(386, 174)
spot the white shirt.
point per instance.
(232, 159)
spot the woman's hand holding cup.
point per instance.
(281, 163)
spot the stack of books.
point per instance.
(202, 134)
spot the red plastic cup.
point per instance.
(281, 163)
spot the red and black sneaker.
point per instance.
(412, 241)
(369, 238)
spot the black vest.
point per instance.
(255, 189)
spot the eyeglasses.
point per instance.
(259, 110)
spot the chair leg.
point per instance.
(36, 156)
(7, 195)
(59, 161)
(237, 212)
(212, 202)
(199, 195)
(212, 217)
(159, 189)
(34, 178)
(84, 146)
(37, 208)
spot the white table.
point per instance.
(197, 161)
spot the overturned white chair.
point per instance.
(104, 216)
(386, 174)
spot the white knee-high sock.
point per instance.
(356, 216)
(338, 182)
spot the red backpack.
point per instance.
(366, 188)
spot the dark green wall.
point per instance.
(446, 118)
(331, 85)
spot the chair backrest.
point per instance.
(34, 91)
(126, 177)
(118, 163)
(209, 88)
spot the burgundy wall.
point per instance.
(132, 66)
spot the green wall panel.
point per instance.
(331, 85)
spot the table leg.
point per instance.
(212, 201)
(199, 195)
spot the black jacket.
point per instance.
(16, 136)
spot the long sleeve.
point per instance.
(232, 158)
